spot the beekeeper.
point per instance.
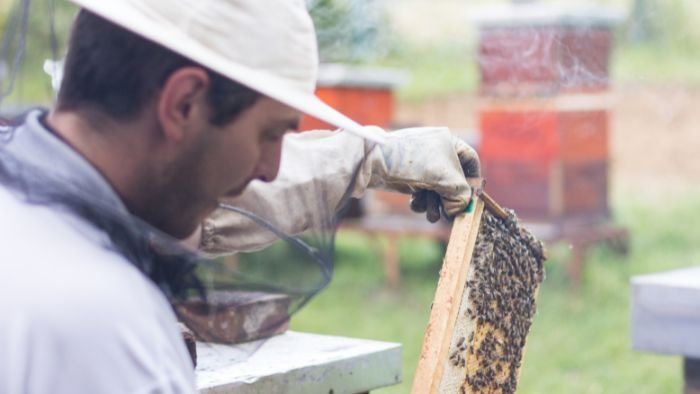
(165, 109)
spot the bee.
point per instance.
(454, 355)
(470, 313)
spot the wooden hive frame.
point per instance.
(475, 339)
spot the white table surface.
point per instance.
(298, 363)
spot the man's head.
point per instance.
(116, 72)
(185, 134)
(269, 46)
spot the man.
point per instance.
(166, 109)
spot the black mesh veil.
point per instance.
(290, 269)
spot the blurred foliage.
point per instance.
(665, 23)
(580, 341)
(5, 7)
(32, 85)
(349, 30)
(660, 42)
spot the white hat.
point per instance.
(267, 45)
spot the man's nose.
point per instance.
(269, 164)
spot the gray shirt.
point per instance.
(75, 316)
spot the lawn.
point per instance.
(579, 341)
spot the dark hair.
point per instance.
(117, 72)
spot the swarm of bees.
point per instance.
(506, 271)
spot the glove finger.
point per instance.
(433, 206)
(419, 201)
(452, 207)
(469, 160)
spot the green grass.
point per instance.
(433, 71)
(652, 63)
(579, 341)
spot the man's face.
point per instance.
(221, 161)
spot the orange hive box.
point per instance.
(366, 95)
(547, 158)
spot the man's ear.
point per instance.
(182, 102)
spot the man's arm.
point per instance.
(317, 171)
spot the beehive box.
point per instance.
(544, 134)
(366, 105)
(543, 50)
(366, 95)
(545, 160)
(551, 191)
(483, 306)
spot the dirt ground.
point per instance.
(654, 134)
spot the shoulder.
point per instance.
(53, 261)
(58, 253)
(68, 300)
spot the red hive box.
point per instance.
(369, 106)
(544, 135)
(365, 95)
(535, 50)
(547, 164)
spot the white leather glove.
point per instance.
(316, 172)
(431, 164)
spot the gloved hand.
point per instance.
(431, 164)
(317, 171)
